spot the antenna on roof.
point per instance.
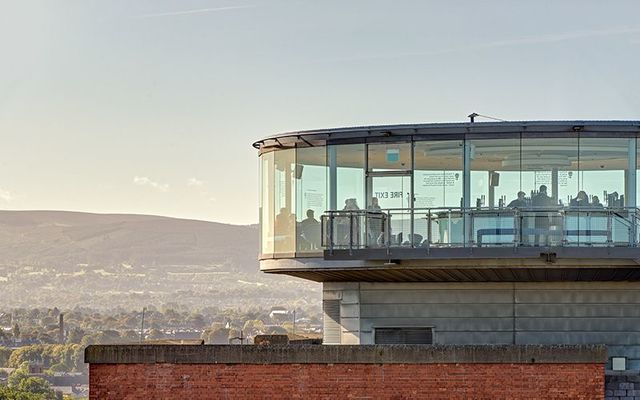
(472, 117)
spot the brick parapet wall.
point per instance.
(362, 372)
(329, 381)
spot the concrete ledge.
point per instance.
(357, 354)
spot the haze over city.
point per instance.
(151, 107)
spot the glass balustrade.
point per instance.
(459, 227)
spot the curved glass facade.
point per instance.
(413, 189)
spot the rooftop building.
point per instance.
(501, 233)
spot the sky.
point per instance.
(150, 107)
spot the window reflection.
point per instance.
(266, 202)
(495, 172)
(389, 157)
(311, 197)
(284, 201)
(349, 175)
(438, 173)
(557, 184)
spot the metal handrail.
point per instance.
(467, 227)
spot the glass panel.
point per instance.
(284, 201)
(447, 227)
(494, 227)
(349, 176)
(389, 157)
(391, 192)
(438, 174)
(495, 173)
(550, 177)
(438, 184)
(603, 162)
(266, 203)
(311, 196)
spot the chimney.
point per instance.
(61, 328)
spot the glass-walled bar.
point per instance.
(460, 189)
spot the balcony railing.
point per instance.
(480, 227)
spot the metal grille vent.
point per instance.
(331, 310)
(404, 336)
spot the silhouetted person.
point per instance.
(283, 220)
(520, 202)
(581, 200)
(539, 202)
(310, 228)
(346, 236)
(375, 222)
(351, 204)
(375, 205)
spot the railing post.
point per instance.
(412, 229)
(350, 233)
(471, 225)
(516, 228)
(563, 227)
(429, 231)
(609, 227)
(388, 235)
(633, 227)
(331, 232)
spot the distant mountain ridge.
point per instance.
(66, 238)
(107, 261)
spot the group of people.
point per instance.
(308, 230)
(543, 221)
(542, 199)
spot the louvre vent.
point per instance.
(331, 310)
(403, 336)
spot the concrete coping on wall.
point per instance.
(345, 354)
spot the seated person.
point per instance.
(581, 200)
(519, 202)
(595, 202)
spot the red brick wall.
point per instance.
(331, 381)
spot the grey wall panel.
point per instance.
(434, 286)
(443, 324)
(578, 310)
(485, 313)
(629, 351)
(565, 337)
(412, 296)
(578, 285)
(439, 310)
(472, 338)
(587, 296)
(578, 324)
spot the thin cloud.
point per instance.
(195, 182)
(6, 195)
(191, 12)
(523, 40)
(144, 181)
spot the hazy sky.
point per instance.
(151, 106)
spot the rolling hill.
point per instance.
(120, 260)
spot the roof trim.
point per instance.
(320, 136)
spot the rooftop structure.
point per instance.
(462, 233)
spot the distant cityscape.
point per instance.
(192, 287)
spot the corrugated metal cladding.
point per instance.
(332, 329)
(403, 336)
(544, 313)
